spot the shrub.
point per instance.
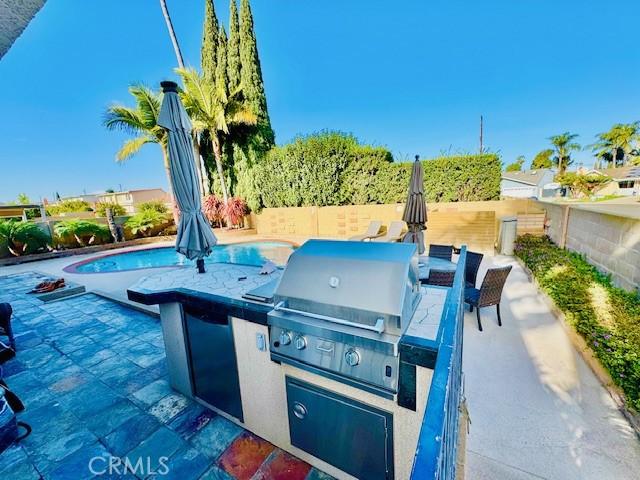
(81, 233)
(582, 184)
(153, 205)
(306, 171)
(67, 206)
(607, 317)
(146, 223)
(332, 168)
(23, 238)
(213, 209)
(116, 209)
(234, 211)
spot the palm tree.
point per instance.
(172, 33)
(141, 120)
(618, 145)
(220, 113)
(564, 145)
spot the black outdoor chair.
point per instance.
(441, 251)
(442, 278)
(471, 268)
(5, 323)
(489, 293)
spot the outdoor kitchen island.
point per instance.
(331, 359)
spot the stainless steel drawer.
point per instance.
(350, 435)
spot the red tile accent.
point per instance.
(245, 455)
(282, 466)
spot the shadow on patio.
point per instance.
(537, 410)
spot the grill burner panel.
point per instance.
(338, 350)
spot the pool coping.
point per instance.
(73, 268)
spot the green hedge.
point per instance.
(332, 168)
(606, 316)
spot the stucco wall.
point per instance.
(14, 18)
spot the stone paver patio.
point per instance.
(92, 375)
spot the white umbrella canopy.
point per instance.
(415, 210)
(195, 239)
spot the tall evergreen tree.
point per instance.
(233, 48)
(209, 48)
(251, 79)
(221, 79)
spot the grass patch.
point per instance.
(607, 317)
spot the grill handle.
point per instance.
(378, 327)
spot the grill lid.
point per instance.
(360, 282)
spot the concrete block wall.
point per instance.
(474, 224)
(554, 223)
(610, 243)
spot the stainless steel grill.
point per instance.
(341, 307)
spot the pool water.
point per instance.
(253, 253)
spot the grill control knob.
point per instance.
(285, 338)
(352, 357)
(300, 342)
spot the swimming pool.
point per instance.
(250, 253)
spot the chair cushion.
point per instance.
(471, 295)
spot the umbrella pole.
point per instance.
(200, 265)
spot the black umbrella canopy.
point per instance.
(415, 210)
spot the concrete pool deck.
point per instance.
(537, 410)
(115, 284)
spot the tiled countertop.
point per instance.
(221, 284)
(221, 279)
(426, 320)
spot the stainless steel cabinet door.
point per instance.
(214, 368)
(350, 435)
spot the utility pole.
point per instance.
(481, 134)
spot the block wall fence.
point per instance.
(609, 241)
(475, 224)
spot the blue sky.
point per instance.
(413, 75)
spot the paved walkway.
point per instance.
(537, 410)
(93, 377)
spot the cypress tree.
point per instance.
(233, 48)
(209, 48)
(251, 78)
(221, 79)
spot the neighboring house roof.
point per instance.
(134, 191)
(630, 172)
(104, 194)
(20, 207)
(15, 210)
(528, 177)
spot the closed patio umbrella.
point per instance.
(195, 239)
(415, 210)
